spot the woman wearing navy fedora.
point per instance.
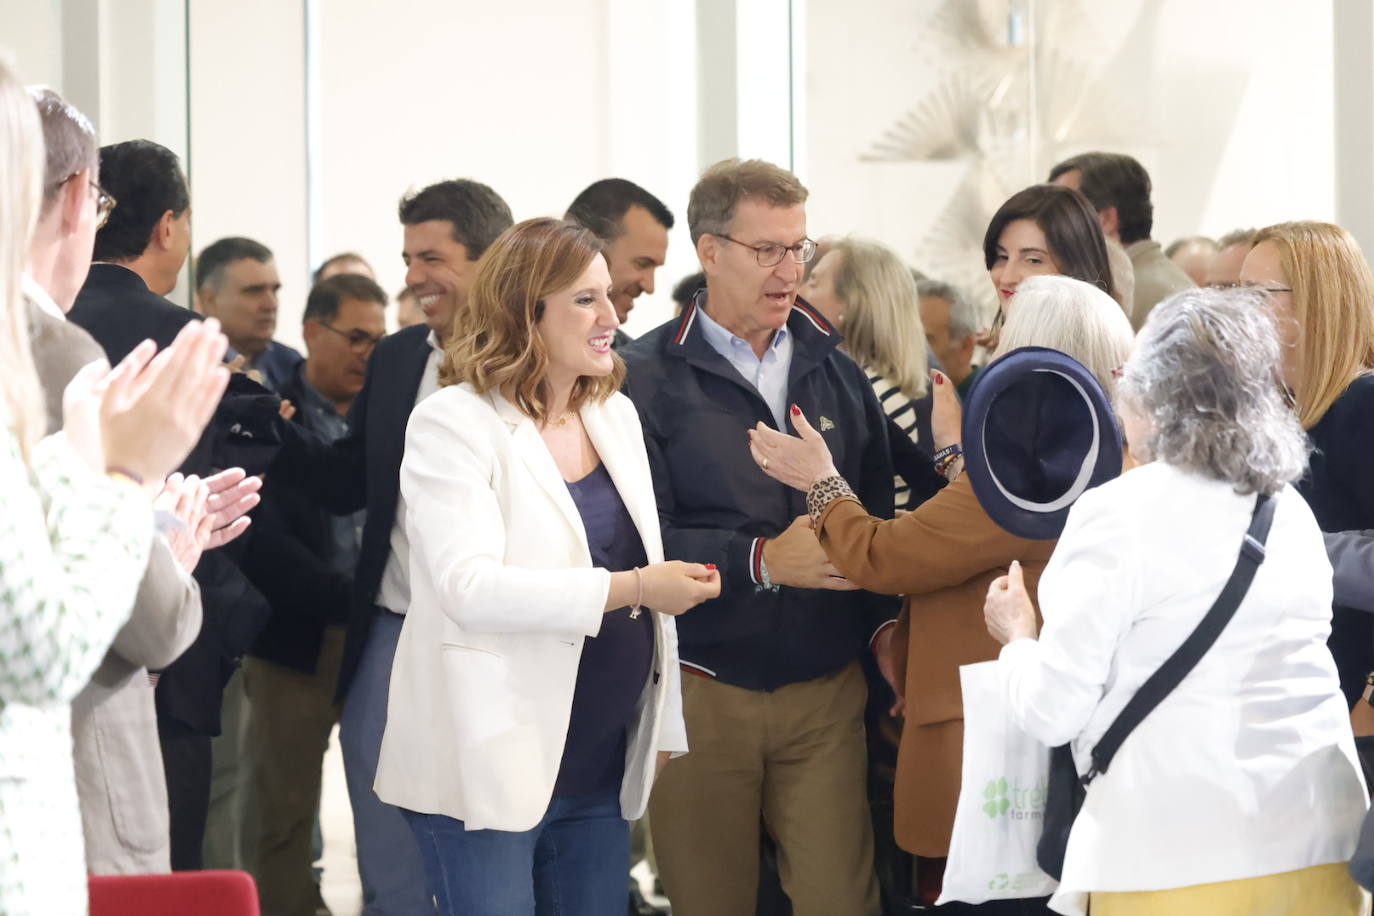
(945, 554)
(1239, 791)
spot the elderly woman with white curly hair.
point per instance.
(1240, 792)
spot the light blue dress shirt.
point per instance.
(767, 375)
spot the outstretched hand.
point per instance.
(797, 461)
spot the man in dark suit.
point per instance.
(634, 226)
(140, 251)
(237, 282)
(302, 559)
(447, 228)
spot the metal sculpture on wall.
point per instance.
(1018, 82)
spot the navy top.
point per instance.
(1339, 487)
(615, 663)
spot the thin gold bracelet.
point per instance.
(639, 597)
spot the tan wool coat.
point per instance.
(942, 557)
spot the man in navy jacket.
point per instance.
(775, 717)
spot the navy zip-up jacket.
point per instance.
(716, 506)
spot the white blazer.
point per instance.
(503, 593)
(1248, 768)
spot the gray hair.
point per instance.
(964, 320)
(1071, 316)
(68, 138)
(1206, 376)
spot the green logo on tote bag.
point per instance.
(995, 801)
(1002, 799)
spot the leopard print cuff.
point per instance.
(823, 493)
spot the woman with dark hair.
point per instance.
(1044, 230)
(532, 700)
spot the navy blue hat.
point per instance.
(1039, 431)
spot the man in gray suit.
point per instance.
(119, 772)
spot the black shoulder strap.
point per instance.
(1186, 656)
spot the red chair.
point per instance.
(183, 893)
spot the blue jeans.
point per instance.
(571, 864)
(389, 864)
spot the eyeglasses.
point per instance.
(359, 341)
(770, 254)
(104, 205)
(1253, 287)
(104, 201)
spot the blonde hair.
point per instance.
(1071, 316)
(495, 344)
(711, 207)
(1333, 303)
(882, 315)
(22, 160)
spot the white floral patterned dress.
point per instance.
(73, 546)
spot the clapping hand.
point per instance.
(232, 494)
(212, 511)
(154, 406)
(184, 498)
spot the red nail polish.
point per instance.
(796, 411)
(711, 567)
(939, 379)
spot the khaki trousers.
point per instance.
(293, 715)
(797, 757)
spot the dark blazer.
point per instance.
(717, 507)
(364, 470)
(290, 559)
(119, 311)
(1339, 487)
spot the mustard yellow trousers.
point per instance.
(1322, 890)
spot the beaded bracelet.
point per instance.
(945, 458)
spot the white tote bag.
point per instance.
(1001, 802)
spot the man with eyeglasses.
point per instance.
(114, 725)
(302, 558)
(773, 690)
(237, 282)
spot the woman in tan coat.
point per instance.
(943, 556)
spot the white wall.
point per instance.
(247, 163)
(535, 98)
(1230, 109)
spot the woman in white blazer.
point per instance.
(1241, 792)
(536, 687)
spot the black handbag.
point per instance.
(1066, 788)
